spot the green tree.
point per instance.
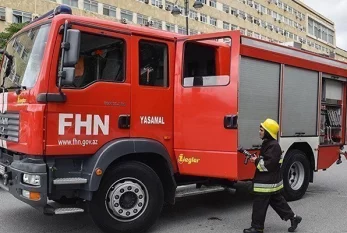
(6, 35)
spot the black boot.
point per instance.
(294, 223)
(252, 230)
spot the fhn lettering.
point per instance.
(92, 123)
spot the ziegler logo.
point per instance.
(182, 159)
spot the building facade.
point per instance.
(272, 20)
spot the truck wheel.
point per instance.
(130, 199)
(296, 175)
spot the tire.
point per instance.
(296, 175)
(130, 199)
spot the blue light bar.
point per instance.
(61, 9)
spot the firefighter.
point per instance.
(268, 183)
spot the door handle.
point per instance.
(124, 121)
(230, 121)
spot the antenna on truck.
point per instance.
(61, 9)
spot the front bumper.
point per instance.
(12, 169)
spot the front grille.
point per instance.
(9, 126)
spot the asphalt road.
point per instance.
(323, 208)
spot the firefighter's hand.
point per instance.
(253, 158)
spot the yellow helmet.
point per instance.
(271, 127)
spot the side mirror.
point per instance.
(69, 75)
(72, 50)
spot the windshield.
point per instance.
(26, 51)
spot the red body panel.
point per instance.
(327, 155)
(199, 113)
(152, 101)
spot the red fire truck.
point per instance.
(116, 116)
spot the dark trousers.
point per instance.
(261, 204)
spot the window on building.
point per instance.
(153, 63)
(295, 12)
(330, 37)
(125, 14)
(157, 24)
(242, 14)
(233, 27)
(291, 35)
(249, 18)
(233, 11)
(256, 35)
(21, 17)
(243, 31)
(193, 32)
(290, 9)
(325, 34)
(90, 5)
(213, 21)
(256, 6)
(226, 25)
(202, 1)
(193, 14)
(182, 30)
(142, 19)
(2, 14)
(101, 59)
(203, 18)
(285, 6)
(109, 10)
(320, 31)
(226, 8)
(157, 3)
(256, 21)
(170, 27)
(270, 26)
(249, 33)
(263, 9)
(269, 12)
(213, 3)
(291, 23)
(263, 24)
(317, 30)
(73, 3)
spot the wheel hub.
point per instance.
(296, 175)
(126, 199)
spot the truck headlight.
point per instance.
(32, 179)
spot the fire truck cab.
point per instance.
(116, 116)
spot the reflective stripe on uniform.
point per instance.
(281, 159)
(261, 167)
(267, 188)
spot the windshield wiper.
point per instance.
(10, 57)
(8, 66)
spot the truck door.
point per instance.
(98, 103)
(205, 105)
(152, 91)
